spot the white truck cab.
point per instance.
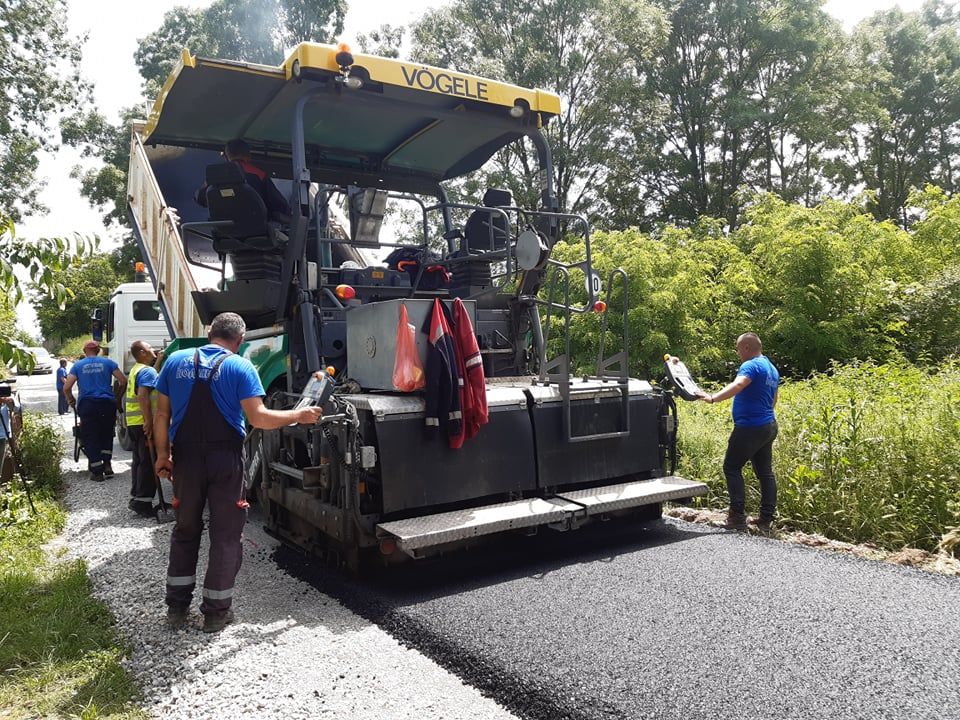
(133, 313)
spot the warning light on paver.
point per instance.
(345, 292)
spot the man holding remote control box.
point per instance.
(203, 395)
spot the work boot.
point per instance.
(108, 470)
(96, 477)
(141, 508)
(761, 523)
(735, 521)
(178, 616)
(215, 622)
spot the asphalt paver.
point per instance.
(673, 621)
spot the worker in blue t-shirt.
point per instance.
(62, 407)
(96, 406)
(203, 395)
(754, 393)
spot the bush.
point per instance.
(866, 454)
(73, 347)
(41, 447)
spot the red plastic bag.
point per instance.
(407, 370)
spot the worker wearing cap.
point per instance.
(202, 397)
(138, 411)
(96, 406)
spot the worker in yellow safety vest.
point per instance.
(140, 405)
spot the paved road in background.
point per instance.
(671, 621)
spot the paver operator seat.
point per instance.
(242, 231)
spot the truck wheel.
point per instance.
(123, 438)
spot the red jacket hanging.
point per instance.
(473, 384)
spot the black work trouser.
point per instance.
(98, 416)
(143, 485)
(753, 445)
(204, 475)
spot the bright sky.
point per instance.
(113, 29)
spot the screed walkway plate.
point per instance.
(633, 494)
(417, 533)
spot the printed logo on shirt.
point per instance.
(185, 371)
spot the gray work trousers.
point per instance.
(204, 475)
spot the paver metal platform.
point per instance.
(417, 533)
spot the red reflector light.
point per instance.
(388, 546)
(345, 292)
(599, 307)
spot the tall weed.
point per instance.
(41, 447)
(866, 453)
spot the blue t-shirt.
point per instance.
(236, 380)
(61, 376)
(753, 406)
(94, 377)
(147, 377)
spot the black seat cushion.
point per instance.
(476, 232)
(229, 197)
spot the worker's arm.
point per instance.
(68, 389)
(262, 417)
(738, 385)
(161, 436)
(143, 400)
(120, 377)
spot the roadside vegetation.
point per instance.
(860, 315)
(59, 652)
(866, 454)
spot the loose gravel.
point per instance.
(293, 652)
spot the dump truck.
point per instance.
(356, 142)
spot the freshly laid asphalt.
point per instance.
(673, 621)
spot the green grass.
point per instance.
(865, 454)
(59, 652)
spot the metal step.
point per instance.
(631, 494)
(426, 531)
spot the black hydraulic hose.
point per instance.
(672, 448)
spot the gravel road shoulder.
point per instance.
(293, 652)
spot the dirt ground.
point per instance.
(940, 563)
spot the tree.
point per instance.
(251, 30)
(91, 284)
(906, 131)
(587, 51)
(45, 262)
(749, 90)
(38, 67)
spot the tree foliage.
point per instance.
(251, 30)
(91, 283)
(905, 112)
(748, 90)
(821, 284)
(587, 51)
(38, 68)
(45, 262)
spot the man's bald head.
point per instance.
(749, 346)
(142, 352)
